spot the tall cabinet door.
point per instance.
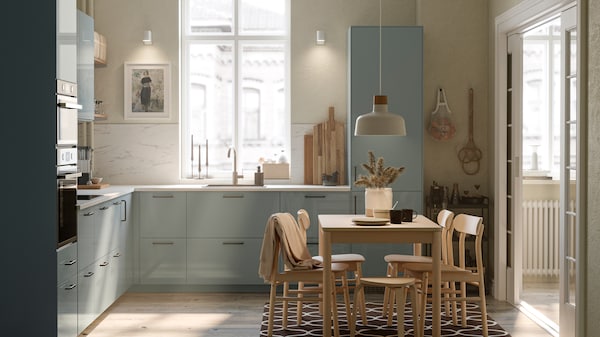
(402, 82)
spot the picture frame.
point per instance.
(147, 91)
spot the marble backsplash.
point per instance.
(148, 154)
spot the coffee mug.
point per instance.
(396, 216)
(408, 215)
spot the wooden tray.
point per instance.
(92, 186)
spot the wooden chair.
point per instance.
(400, 285)
(465, 226)
(354, 270)
(280, 275)
(395, 262)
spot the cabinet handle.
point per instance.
(88, 274)
(70, 287)
(117, 255)
(233, 242)
(163, 196)
(125, 214)
(88, 214)
(314, 196)
(104, 208)
(70, 263)
(163, 243)
(236, 196)
(103, 264)
(116, 203)
(312, 243)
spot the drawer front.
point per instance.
(231, 261)
(66, 263)
(67, 308)
(162, 261)
(230, 214)
(163, 214)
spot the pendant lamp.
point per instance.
(380, 122)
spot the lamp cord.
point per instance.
(379, 47)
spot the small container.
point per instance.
(259, 177)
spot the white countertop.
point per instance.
(111, 192)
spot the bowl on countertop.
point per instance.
(96, 180)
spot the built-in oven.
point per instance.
(67, 209)
(67, 110)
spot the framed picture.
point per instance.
(147, 91)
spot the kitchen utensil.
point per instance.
(440, 124)
(329, 149)
(470, 154)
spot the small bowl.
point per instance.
(96, 180)
(381, 213)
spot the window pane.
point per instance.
(211, 16)
(211, 100)
(264, 17)
(263, 119)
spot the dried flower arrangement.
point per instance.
(379, 176)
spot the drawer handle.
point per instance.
(163, 243)
(117, 255)
(70, 263)
(233, 242)
(237, 196)
(314, 196)
(88, 214)
(168, 196)
(88, 274)
(116, 203)
(104, 264)
(104, 208)
(70, 287)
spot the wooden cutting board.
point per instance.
(329, 149)
(92, 186)
(308, 159)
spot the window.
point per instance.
(234, 85)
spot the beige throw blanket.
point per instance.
(283, 228)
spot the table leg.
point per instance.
(325, 250)
(436, 253)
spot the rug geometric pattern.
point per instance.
(312, 322)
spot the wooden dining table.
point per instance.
(339, 228)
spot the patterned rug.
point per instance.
(312, 323)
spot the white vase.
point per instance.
(378, 198)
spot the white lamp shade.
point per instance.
(380, 122)
(147, 37)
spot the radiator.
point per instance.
(540, 238)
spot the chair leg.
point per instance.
(299, 304)
(482, 305)
(463, 304)
(358, 289)
(423, 302)
(346, 292)
(388, 304)
(336, 321)
(415, 311)
(271, 309)
(400, 303)
(286, 291)
(454, 304)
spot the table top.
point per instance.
(343, 222)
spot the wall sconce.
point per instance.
(320, 37)
(147, 37)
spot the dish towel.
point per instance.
(283, 228)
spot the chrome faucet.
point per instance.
(235, 173)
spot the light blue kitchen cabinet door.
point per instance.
(315, 203)
(402, 82)
(125, 243)
(162, 261)
(86, 297)
(230, 214)
(223, 261)
(67, 290)
(85, 237)
(105, 229)
(162, 214)
(85, 66)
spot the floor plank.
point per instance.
(229, 315)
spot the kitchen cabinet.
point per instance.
(66, 40)
(224, 228)
(316, 203)
(85, 66)
(162, 237)
(67, 290)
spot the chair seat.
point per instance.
(343, 258)
(390, 258)
(391, 282)
(428, 268)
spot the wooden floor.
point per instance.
(230, 314)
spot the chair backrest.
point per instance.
(466, 225)
(444, 219)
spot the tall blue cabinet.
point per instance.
(402, 82)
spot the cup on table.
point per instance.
(381, 213)
(396, 216)
(408, 215)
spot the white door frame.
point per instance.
(522, 15)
